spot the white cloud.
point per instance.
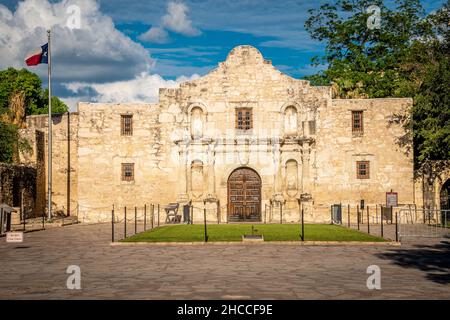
(144, 88)
(96, 62)
(177, 20)
(156, 35)
(95, 51)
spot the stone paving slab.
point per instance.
(36, 269)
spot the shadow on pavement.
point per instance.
(432, 259)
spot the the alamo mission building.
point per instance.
(237, 139)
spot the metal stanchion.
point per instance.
(112, 224)
(368, 220)
(125, 223)
(153, 214)
(396, 227)
(382, 231)
(135, 220)
(348, 213)
(206, 231)
(145, 217)
(303, 226)
(357, 213)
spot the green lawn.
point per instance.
(234, 232)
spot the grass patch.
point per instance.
(234, 232)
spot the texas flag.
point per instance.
(38, 57)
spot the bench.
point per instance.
(172, 215)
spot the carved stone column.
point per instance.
(182, 173)
(211, 191)
(278, 192)
(306, 185)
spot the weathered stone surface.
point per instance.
(186, 146)
(18, 188)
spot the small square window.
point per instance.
(363, 169)
(244, 119)
(126, 125)
(127, 171)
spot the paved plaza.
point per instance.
(36, 269)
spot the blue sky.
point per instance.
(190, 38)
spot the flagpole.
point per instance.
(49, 127)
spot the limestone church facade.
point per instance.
(237, 141)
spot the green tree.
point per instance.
(36, 99)
(28, 85)
(406, 57)
(13, 81)
(11, 143)
(57, 105)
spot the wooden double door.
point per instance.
(244, 195)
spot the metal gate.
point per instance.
(426, 223)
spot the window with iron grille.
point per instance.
(357, 122)
(363, 169)
(126, 124)
(127, 171)
(244, 119)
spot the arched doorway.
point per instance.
(244, 195)
(445, 196)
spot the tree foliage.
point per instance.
(13, 81)
(408, 56)
(25, 87)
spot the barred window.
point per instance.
(126, 124)
(127, 171)
(244, 119)
(357, 122)
(363, 169)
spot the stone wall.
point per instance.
(338, 150)
(185, 147)
(102, 150)
(18, 187)
(430, 180)
(64, 164)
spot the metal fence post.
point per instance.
(348, 213)
(368, 220)
(382, 232)
(125, 223)
(135, 220)
(206, 231)
(396, 227)
(145, 217)
(331, 214)
(303, 226)
(153, 214)
(112, 224)
(357, 213)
